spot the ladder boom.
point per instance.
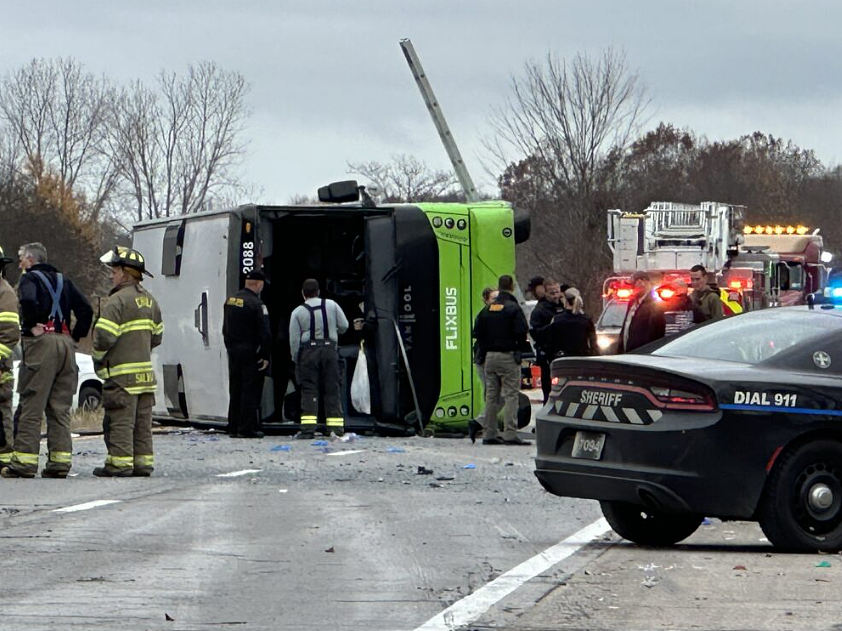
(438, 119)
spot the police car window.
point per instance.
(613, 314)
(753, 337)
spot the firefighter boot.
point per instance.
(11, 472)
(112, 472)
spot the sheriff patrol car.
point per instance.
(737, 419)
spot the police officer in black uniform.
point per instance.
(548, 307)
(501, 333)
(248, 338)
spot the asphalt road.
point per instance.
(347, 536)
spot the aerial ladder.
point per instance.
(439, 121)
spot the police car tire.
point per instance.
(647, 527)
(90, 398)
(784, 487)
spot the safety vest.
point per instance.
(128, 328)
(729, 307)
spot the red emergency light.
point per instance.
(666, 293)
(619, 288)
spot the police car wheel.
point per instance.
(647, 527)
(801, 507)
(90, 398)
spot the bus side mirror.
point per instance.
(340, 192)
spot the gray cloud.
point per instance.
(329, 83)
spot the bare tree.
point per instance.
(568, 116)
(562, 122)
(407, 179)
(177, 148)
(57, 114)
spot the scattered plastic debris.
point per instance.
(508, 464)
(422, 470)
(281, 448)
(350, 437)
(436, 485)
(396, 450)
(168, 617)
(823, 564)
(283, 490)
(650, 581)
(445, 478)
(469, 466)
(330, 549)
(741, 568)
(707, 522)
(319, 443)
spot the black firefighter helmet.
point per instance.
(122, 256)
(4, 260)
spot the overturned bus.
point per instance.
(413, 273)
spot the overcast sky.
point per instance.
(329, 83)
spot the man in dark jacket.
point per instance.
(48, 372)
(539, 324)
(248, 338)
(501, 331)
(644, 321)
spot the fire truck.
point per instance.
(754, 266)
(777, 266)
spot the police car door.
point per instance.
(192, 257)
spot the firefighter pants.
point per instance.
(245, 391)
(47, 381)
(6, 423)
(318, 365)
(127, 427)
(502, 382)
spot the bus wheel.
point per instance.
(801, 507)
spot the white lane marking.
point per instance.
(235, 474)
(345, 453)
(633, 416)
(609, 414)
(86, 506)
(464, 612)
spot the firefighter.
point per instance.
(9, 337)
(248, 338)
(501, 332)
(129, 326)
(48, 373)
(705, 299)
(314, 330)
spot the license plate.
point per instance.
(588, 445)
